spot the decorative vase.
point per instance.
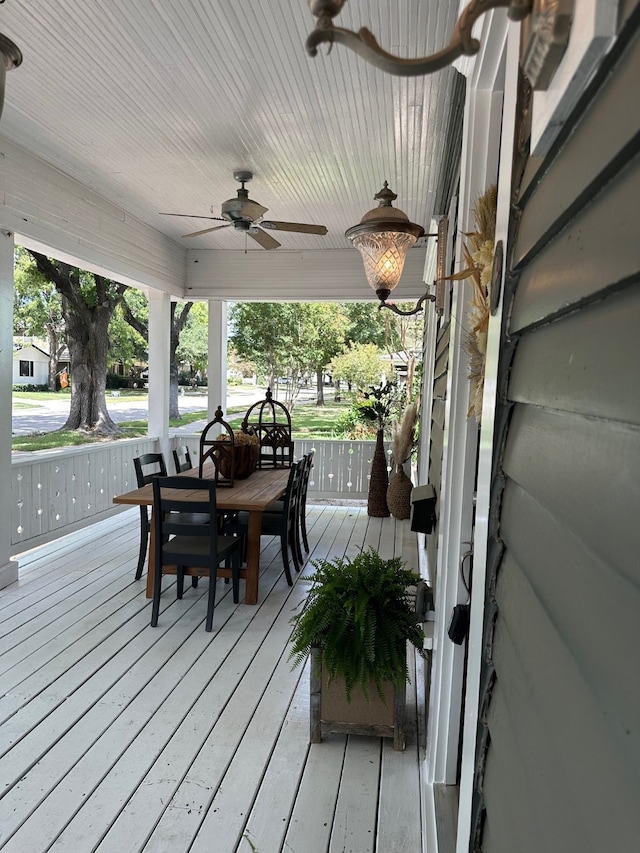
(379, 481)
(399, 494)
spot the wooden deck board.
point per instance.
(118, 737)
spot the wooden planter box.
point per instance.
(330, 711)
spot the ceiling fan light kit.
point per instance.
(245, 215)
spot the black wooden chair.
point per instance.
(182, 459)
(277, 507)
(282, 523)
(302, 506)
(194, 549)
(147, 467)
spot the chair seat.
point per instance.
(271, 523)
(275, 506)
(198, 547)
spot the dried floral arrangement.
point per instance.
(403, 434)
(240, 438)
(478, 255)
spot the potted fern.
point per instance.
(355, 623)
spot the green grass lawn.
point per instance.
(308, 421)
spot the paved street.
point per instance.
(45, 416)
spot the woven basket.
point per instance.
(399, 494)
(245, 461)
(377, 499)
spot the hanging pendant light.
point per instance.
(383, 237)
(10, 57)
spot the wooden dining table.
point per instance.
(253, 494)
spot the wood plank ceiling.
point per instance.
(153, 104)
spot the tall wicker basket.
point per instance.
(379, 481)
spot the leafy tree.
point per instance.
(289, 339)
(179, 316)
(37, 310)
(366, 324)
(265, 333)
(324, 337)
(193, 348)
(126, 344)
(404, 340)
(88, 301)
(360, 365)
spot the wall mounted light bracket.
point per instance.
(440, 281)
(550, 23)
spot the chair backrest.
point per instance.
(182, 459)
(292, 495)
(148, 467)
(304, 478)
(177, 516)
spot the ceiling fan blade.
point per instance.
(264, 239)
(193, 216)
(294, 226)
(206, 230)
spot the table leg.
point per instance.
(253, 557)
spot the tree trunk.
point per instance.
(177, 325)
(52, 343)
(88, 345)
(174, 409)
(86, 313)
(320, 388)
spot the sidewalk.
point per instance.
(48, 415)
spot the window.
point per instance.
(26, 368)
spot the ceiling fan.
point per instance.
(245, 215)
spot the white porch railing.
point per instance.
(57, 492)
(341, 468)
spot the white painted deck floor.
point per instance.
(116, 737)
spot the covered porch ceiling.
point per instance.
(152, 105)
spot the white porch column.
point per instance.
(480, 153)
(159, 352)
(510, 56)
(8, 568)
(217, 366)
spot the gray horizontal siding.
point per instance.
(560, 725)
(598, 247)
(578, 359)
(606, 129)
(579, 592)
(578, 785)
(587, 472)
